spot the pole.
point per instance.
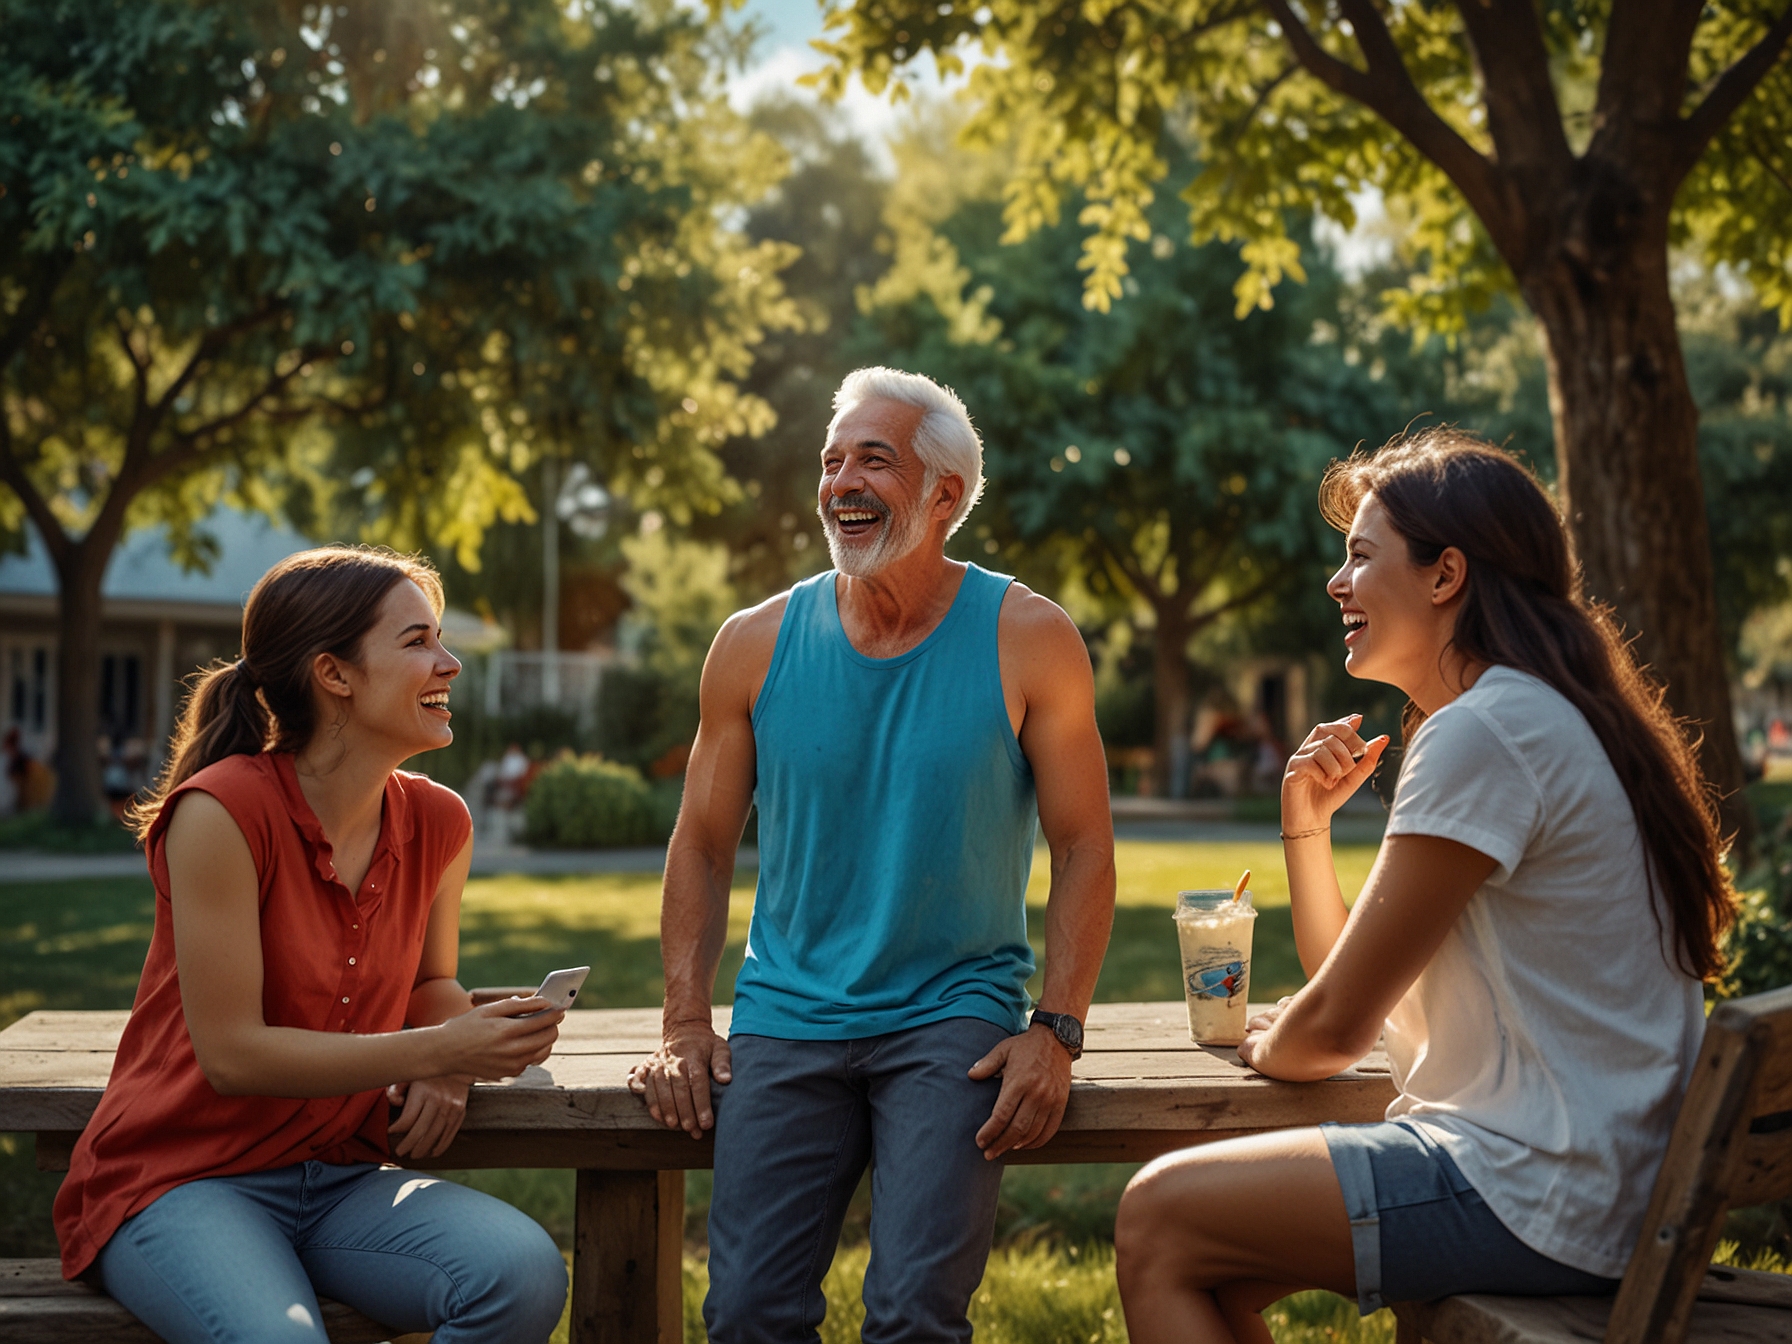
(550, 580)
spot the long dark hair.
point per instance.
(1522, 607)
(318, 601)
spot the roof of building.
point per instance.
(141, 569)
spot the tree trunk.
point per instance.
(1626, 431)
(77, 801)
(1169, 680)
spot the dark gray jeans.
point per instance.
(794, 1132)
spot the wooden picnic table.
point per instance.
(1141, 1089)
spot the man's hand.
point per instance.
(433, 1111)
(1035, 1073)
(674, 1080)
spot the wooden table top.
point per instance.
(1140, 1088)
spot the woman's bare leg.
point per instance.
(1208, 1237)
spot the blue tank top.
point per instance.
(896, 827)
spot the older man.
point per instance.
(904, 722)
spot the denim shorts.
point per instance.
(1419, 1231)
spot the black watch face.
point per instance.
(1066, 1028)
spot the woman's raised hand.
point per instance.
(1327, 768)
(499, 1040)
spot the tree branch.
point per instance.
(1212, 23)
(1768, 166)
(37, 508)
(139, 371)
(32, 311)
(1234, 602)
(194, 442)
(1731, 90)
(1262, 98)
(1128, 563)
(209, 345)
(1523, 115)
(1642, 72)
(1388, 91)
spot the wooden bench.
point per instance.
(37, 1306)
(1731, 1146)
(1140, 1089)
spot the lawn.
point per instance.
(80, 945)
(512, 928)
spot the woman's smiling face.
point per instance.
(1398, 615)
(398, 687)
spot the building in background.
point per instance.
(160, 622)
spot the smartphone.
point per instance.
(560, 988)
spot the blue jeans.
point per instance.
(243, 1258)
(795, 1131)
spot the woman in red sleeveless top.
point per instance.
(307, 910)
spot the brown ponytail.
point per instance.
(318, 601)
(1523, 608)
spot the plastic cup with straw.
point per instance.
(1213, 927)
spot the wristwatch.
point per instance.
(1062, 1025)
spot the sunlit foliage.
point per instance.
(1090, 88)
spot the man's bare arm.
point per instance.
(1047, 677)
(718, 793)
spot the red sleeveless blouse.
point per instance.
(332, 960)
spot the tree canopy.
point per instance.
(391, 253)
(1554, 149)
(1290, 103)
(1164, 455)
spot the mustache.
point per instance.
(858, 500)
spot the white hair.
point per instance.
(944, 439)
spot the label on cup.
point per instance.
(1218, 973)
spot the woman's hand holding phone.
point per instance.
(499, 1040)
(1324, 771)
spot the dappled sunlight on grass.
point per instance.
(513, 929)
(1047, 1295)
(80, 944)
(72, 944)
(1151, 872)
(1142, 961)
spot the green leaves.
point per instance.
(1291, 109)
(1163, 454)
(390, 254)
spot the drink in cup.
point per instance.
(1215, 932)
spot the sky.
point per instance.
(783, 54)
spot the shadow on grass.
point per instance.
(503, 948)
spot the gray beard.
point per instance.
(899, 535)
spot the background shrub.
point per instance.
(586, 802)
(1760, 942)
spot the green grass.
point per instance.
(35, 830)
(80, 944)
(1036, 1294)
(514, 927)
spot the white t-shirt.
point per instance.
(1547, 1044)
